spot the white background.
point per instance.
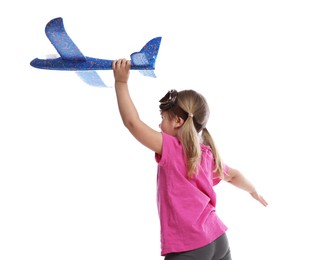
(74, 184)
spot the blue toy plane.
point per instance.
(71, 57)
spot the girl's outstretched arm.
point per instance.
(130, 117)
(237, 179)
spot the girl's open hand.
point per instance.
(258, 197)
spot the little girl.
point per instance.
(189, 165)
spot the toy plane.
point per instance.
(71, 58)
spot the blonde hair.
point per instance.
(195, 112)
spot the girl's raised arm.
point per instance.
(130, 117)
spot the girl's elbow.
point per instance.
(129, 124)
(231, 175)
(133, 126)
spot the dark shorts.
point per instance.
(217, 250)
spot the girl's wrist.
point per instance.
(120, 82)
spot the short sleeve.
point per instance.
(169, 146)
(216, 179)
(225, 169)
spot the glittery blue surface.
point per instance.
(71, 58)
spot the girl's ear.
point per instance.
(179, 122)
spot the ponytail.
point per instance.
(208, 140)
(189, 138)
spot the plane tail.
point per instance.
(145, 59)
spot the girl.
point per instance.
(189, 165)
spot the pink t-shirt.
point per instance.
(186, 206)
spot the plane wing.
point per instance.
(57, 35)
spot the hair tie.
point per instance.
(190, 115)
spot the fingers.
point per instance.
(121, 68)
(262, 200)
(258, 197)
(121, 63)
